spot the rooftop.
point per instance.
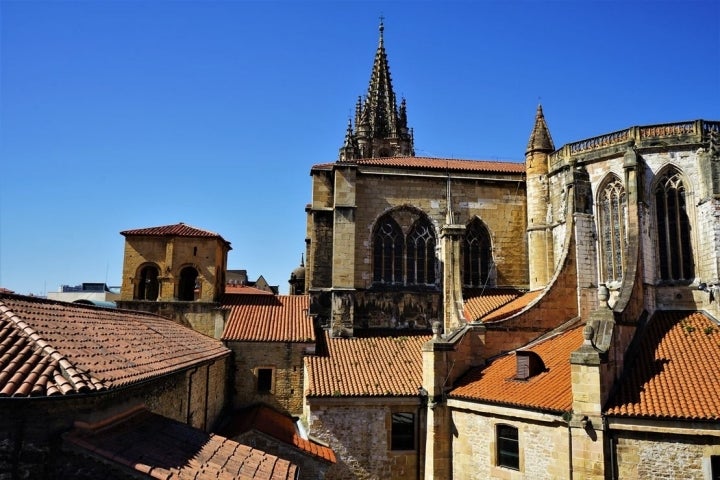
(161, 448)
(481, 304)
(265, 317)
(367, 367)
(57, 348)
(550, 390)
(176, 230)
(512, 307)
(428, 163)
(675, 372)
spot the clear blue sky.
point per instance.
(131, 114)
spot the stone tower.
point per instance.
(380, 126)
(540, 242)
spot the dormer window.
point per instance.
(528, 364)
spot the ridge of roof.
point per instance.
(431, 163)
(176, 230)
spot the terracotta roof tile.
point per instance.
(489, 300)
(512, 307)
(427, 163)
(277, 425)
(176, 230)
(244, 290)
(56, 348)
(374, 366)
(550, 390)
(676, 371)
(162, 448)
(268, 318)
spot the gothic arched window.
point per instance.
(148, 286)
(188, 284)
(421, 253)
(675, 255)
(388, 251)
(476, 254)
(612, 205)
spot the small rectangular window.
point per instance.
(403, 431)
(508, 448)
(264, 380)
(715, 467)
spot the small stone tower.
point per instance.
(297, 279)
(380, 126)
(540, 242)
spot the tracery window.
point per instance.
(398, 259)
(421, 253)
(477, 254)
(675, 256)
(612, 206)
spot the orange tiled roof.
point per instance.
(428, 163)
(268, 318)
(56, 348)
(374, 366)
(244, 290)
(277, 425)
(675, 372)
(490, 299)
(550, 390)
(512, 307)
(162, 448)
(176, 230)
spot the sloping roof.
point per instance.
(675, 373)
(274, 424)
(439, 164)
(177, 230)
(268, 318)
(57, 348)
(550, 390)
(244, 290)
(162, 448)
(374, 366)
(490, 299)
(512, 307)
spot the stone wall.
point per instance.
(543, 447)
(286, 361)
(358, 430)
(662, 456)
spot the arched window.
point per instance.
(612, 205)
(421, 253)
(187, 284)
(673, 228)
(404, 260)
(148, 286)
(477, 254)
(388, 251)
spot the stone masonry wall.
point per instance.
(661, 456)
(543, 448)
(286, 361)
(359, 433)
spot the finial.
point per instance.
(381, 27)
(302, 259)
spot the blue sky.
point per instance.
(131, 114)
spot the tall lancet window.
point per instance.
(388, 251)
(675, 256)
(477, 254)
(421, 253)
(612, 205)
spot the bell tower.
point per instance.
(381, 128)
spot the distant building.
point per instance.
(89, 293)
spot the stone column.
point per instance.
(343, 257)
(451, 237)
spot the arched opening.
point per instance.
(148, 286)
(477, 254)
(188, 284)
(675, 256)
(387, 251)
(611, 225)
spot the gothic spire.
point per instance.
(540, 139)
(380, 128)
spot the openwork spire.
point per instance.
(380, 128)
(540, 139)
